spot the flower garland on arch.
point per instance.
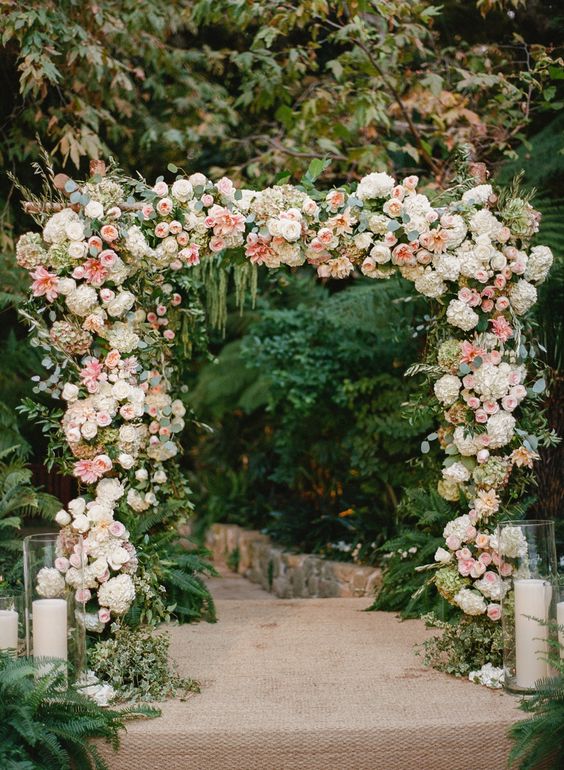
(107, 303)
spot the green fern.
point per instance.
(45, 726)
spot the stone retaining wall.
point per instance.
(288, 575)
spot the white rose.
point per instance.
(159, 477)
(75, 231)
(77, 249)
(122, 302)
(77, 506)
(94, 210)
(89, 430)
(62, 518)
(380, 253)
(182, 190)
(70, 392)
(81, 523)
(178, 408)
(289, 229)
(121, 390)
(66, 286)
(197, 180)
(363, 241)
(126, 460)
(141, 474)
(127, 434)
(442, 555)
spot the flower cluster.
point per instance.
(109, 273)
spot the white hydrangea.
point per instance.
(470, 602)
(416, 205)
(522, 296)
(456, 472)
(466, 443)
(539, 263)
(430, 284)
(82, 300)
(122, 337)
(55, 230)
(513, 543)
(493, 587)
(458, 527)
(461, 315)
(501, 429)
(50, 583)
(117, 594)
(447, 266)
(483, 222)
(447, 389)
(477, 195)
(136, 244)
(489, 676)
(491, 381)
(377, 185)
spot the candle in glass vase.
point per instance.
(560, 621)
(8, 630)
(532, 598)
(50, 628)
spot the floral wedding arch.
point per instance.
(109, 308)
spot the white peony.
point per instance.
(470, 602)
(447, 389)
(117, 594)
(289, 229)
(377, 185)
(461, 315)
(182, 190)
(456, 472)
(122, 302)
(77, 506)
(94, 210)
(522, 296)
(81, 524)
(430, 284)
(70, 392)
(501, 429)
(126, 460)
(50, 583)
(109, 489)
(539, 263)
(477, 195)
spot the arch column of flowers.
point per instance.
(109, 307)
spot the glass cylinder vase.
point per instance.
(52, 611)
(12, 624)
(527, 552)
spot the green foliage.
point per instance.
(407, 585)
(45, 726)
(136, 663)
(464, 645)
(233, 559)
(538, 738)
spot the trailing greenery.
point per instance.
(538, 739)
(135, 662)
(45, 726)
(463, 646)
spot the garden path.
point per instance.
(314, 684)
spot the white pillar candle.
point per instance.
(8, 630)
(560, 621)
(532, 598)
(50, 628)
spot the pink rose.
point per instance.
(469, 381)
(225, 186)
(207, 200)
(75, 560)
(465, 567)
(509, 403)
(465, 554)
(104, 576)
(518, 267)
(108, 257)
(494, 611)
(390, 239)
(62, 564)
(495, 357)
(491, 407)
(104, 615)
(117, 529)
(485, 439)
(519, 392)
(109, 233)
(175, 227)
(453, 542)
(470, 533)
(168, 334)
(164, 207)
(483, 456)
(478, 569)
(505, 569)
(488, 292)
(103, 419)
(411, 182)
(473, 402)
(482, 276)
(83, 595)
(161, 189)
(500, 282)
(481, 416)
(176, 299)
(147, 211)
(482, 541)
(487, 305)
(217, 243)
(486, 558)
(161, 230)
(183, 239)
(501, 303)
(95, 242)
